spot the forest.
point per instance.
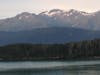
(84, 50)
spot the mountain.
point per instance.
(47, 35)
(23, 21)
(53, 18)
(47, 27)
(74, 18)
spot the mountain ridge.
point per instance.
(53, 18)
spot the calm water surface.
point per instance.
(50, 68)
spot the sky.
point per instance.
(9, 8)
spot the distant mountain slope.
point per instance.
(47, 36)
(52, 18)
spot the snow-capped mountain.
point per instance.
(74, 18)
(52, 18)
(49, 27)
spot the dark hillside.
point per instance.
(71, 51)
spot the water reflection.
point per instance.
(50, 68)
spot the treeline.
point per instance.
(69, 51)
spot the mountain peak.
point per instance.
(55, 11)
(76, 12)
(73, 10)
(52, 12)
(24, 15)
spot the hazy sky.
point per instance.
(10, 8)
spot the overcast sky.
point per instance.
(10, 8)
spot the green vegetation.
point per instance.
(70, 51)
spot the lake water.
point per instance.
(50, 68)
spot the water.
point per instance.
(50, 68)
